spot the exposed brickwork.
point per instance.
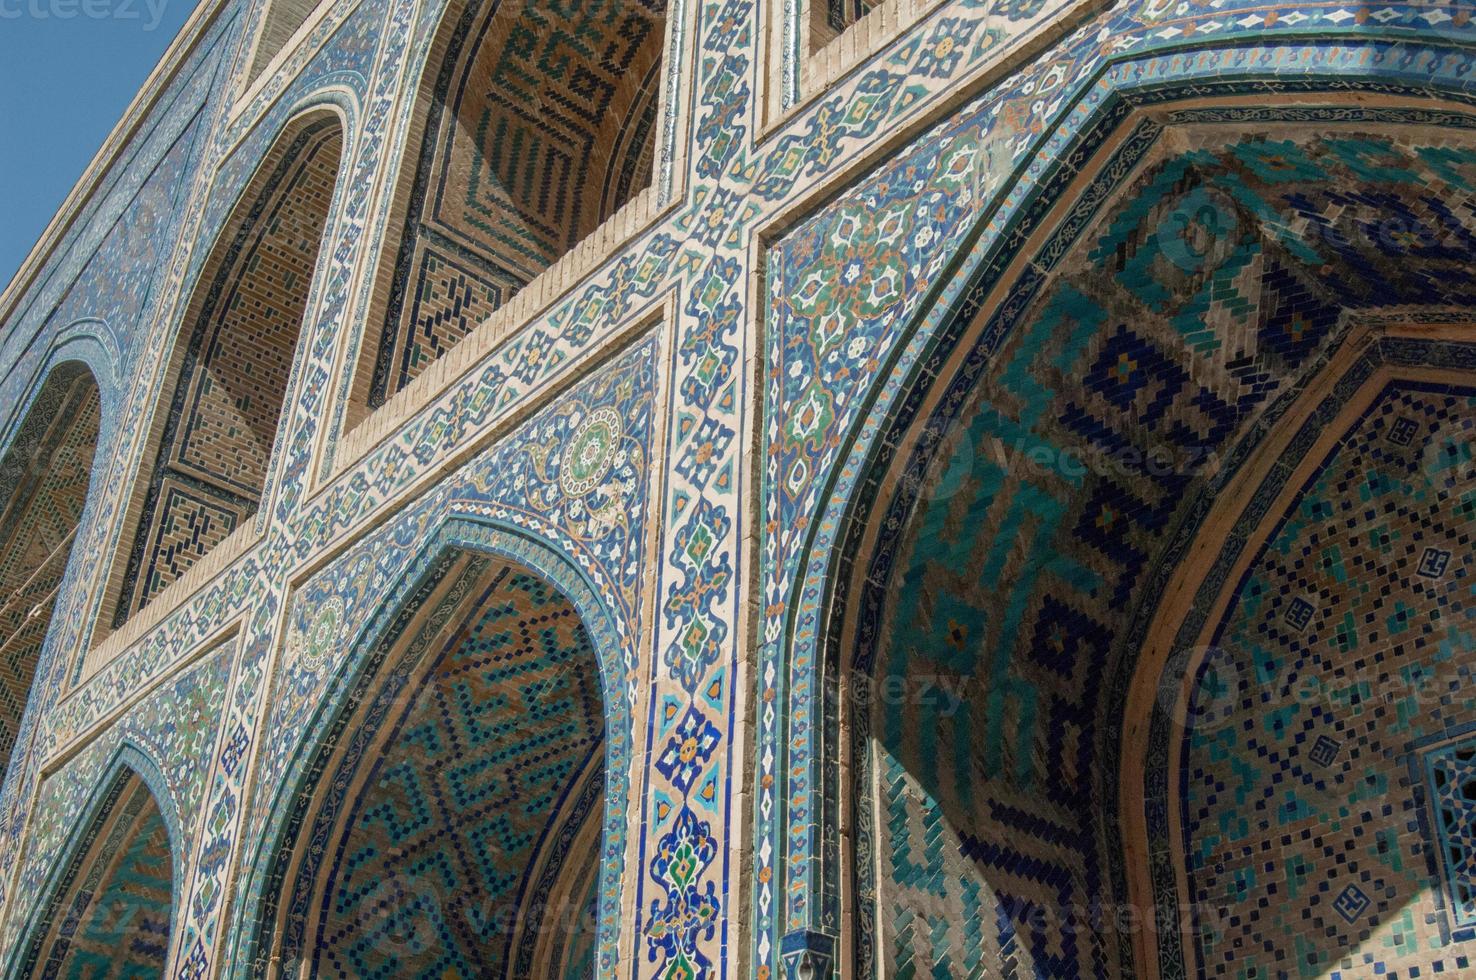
(543, 127)
(223, 414)
(46, 475)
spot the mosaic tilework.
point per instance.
(587, 452)
(1017, 122)
(279, 22)
(176, 725)
(1306, 865)
(43, 483)
(1448, 772)
(1048, 501)
(114, 918)
(223, 422)
(486, 743)
(705, 495)
(540, 128)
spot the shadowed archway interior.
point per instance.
(540, 122)
(1326, 747)
(462, 817)
(110, 917)
(43, 483)
(236, 359)
(997, 610)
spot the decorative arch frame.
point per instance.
(332, 104)
(303, 803)
(74, 346)
(334, 95)
(79, 346)
(432, 60)
(128, 761)
(895, 434)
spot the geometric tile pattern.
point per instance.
(1024, 124)
(585, 453)
(116, 914)
(1450, 780)
(541, 125)
(43, 489)
(892, 328)
(1160, 339)
(1302, 801)
(432, 869)
(223, 413)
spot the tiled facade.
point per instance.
(217, 440)
(45, 475)
(624, 456)
(540, 126)
(112, 920)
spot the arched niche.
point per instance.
(961, 751)
(533, 125)
(456, 814)
(44, 478)
(215, 429)
(108, 908)
(1297, 722)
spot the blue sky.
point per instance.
(68, 69)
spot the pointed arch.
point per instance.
(1225, 659)
(534, 124)
(108, 909)
(919, 473)
(214, 434)
(555, 897)
(45, 477)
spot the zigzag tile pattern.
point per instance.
(432, 869)
(1214, 284)
(222, 422)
